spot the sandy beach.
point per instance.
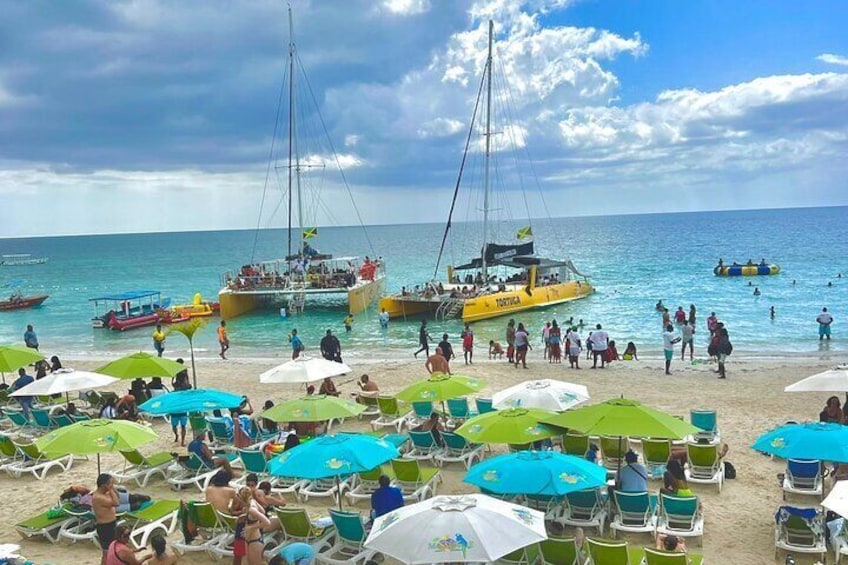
(739, 522)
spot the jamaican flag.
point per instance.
(525, 233)
(309, 233)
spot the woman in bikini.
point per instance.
(254, 521)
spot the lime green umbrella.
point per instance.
(623, 417)
(440, 387)
(516, 425)
(13, 357)
(313, 409)
(141, 365)
(90, 437)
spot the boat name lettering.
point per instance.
(508, 301)
(507, 253)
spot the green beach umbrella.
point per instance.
(13, 357)
(141, 365)
(440, 387)
(516, 425)
(90, 437)
(313, 409)
(623, 417)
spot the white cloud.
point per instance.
(351, 140)
(345, 161)
(406, 7)
(832, 59)
(440, 127)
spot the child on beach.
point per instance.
(612, 353)
(495, 350)
(630, 352)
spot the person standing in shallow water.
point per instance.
(824, 319)
(510, 341)
(522, 344)
(423, 340)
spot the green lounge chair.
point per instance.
(613, 449)
(656, 453)
(424, 446)
(704, 465)
(8, 452)
(800, 530)
(224, 545)
(46, 525)
(575, 444)
(458, 450)
(161, 516)
(391, 414)
(680, 516)
(297, 527)
(415, 483)
(657, 557)
(349, 547)
(371, 406)
(205, 520)
(586, 509)
(636, 512)
(607, 552)
(365, 483)
(140, 469)
(35, 462)
(523, 556)
(558, 551)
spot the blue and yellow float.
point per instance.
(746, 270)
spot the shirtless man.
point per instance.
(367, 386)
(437, 363)
(104, 503)
(220, 494)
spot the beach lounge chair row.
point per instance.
(561, 551)
(60, 523)
(392, 413)
(17, 458)
(455, 449)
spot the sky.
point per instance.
(148, 115)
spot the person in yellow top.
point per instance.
(348, 323)
(159, 340)
(223, 340)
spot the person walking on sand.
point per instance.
(30, 339)
(468, 344)
(824, 319)
(522, 344)
(546, 340)
(223, 339)
(510, 341)
(423, 340)
(600, 341)
(159, 340)
(687, 332)
(572, 342)
(669, 339)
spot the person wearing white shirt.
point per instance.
(824, 319)
(687, 333)
(600, 340)
(669, 339)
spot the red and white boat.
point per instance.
(19, 302)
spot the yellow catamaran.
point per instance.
(304, 274)
(473, 291)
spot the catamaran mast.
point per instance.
(291, 123)
(488, 148)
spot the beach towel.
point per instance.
(188, 520)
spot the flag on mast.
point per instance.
(309, 233)
(525, 232)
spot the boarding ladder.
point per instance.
(297, 302)
(449, 308)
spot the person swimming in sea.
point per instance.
(757, 291)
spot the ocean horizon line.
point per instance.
(344, 226)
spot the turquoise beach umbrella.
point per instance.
(333, 455)
(536, 472)
(813, 440)
(195, 400)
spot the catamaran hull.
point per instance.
(492, 305)
(359, 298)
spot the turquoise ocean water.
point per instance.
(632, 260)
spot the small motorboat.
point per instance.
(19, 302)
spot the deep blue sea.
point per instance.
(632, 260)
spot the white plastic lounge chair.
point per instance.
(458, 450)
(424, 446)
(635, 512)
(416, 483)
(803, 477)
(799, 530)
(190, 472)
(365, 483)
(349, 547)
(707, 420)
(208, 529)
(680, 516)
(704, 465)
(140, 468)
(391, 414)
(326, 488)
(35, 462)
(586, 509)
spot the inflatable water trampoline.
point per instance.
(746, 270)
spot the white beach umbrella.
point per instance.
(833, 380)
(837, 499)
(303, 370)
(65, 381)
(467, 528)
(547, 394)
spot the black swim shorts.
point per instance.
(106, 534)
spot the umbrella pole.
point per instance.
(339, 491)
(98, 464)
